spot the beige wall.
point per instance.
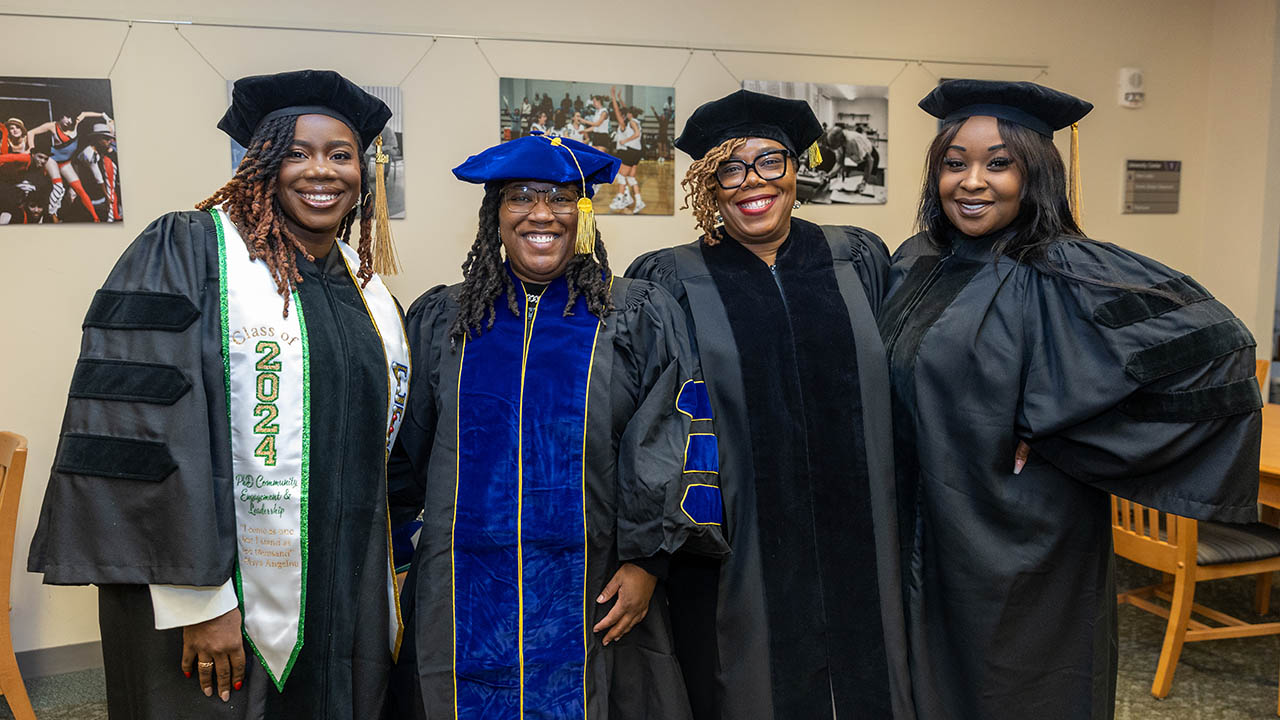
(1240, 226)
(1211, 82)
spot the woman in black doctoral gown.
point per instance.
(1005, 324)
(805, 617)
(151, 498)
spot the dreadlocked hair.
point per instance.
(249, 199)
(484, 277)
(699, 187)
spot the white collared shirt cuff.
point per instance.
(183, 605)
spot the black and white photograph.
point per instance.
(392, 145)
(854, 143)
(632, 122)
(58, 158)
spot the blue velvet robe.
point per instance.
(546, 452)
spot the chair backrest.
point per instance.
(13, 463)
(1153, 538)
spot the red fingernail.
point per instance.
(238, 684)
(187, 673)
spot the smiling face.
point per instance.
(15, 131)
(319, 180)
(979, 184)
(539, 243)
(758, 211)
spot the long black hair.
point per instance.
(1044, 212)
(484, 277)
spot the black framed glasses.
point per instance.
(769, 165)
(521, 199)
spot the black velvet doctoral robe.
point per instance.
(530, 506)
(141, 489)
(807, 611)
(1010, 602)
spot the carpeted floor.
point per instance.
(1215, 680)
(1219, 680)
(71, 696)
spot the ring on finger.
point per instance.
(205, 663)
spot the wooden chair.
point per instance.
(1190, 552)
(1269, 515)
(13, 462)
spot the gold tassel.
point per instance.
(385, 261)
(1074, 190)
(585, 244)
(815, 156)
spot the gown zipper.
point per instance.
(791, 332)
(342, 340)
(530, 314)
(773, 270)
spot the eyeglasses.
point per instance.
(521, 199)
(769, 165)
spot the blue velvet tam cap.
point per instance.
(744, 114)
(259, 98)
(541, 157)
(1032, 106)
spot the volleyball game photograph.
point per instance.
(632, 122)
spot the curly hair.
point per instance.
(249, 198)
(484, 277)
(699, 185)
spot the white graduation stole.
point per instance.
(267, 366)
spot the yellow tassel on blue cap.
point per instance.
(585, 242)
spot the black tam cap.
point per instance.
(1030, 105)
(750, 114)
(258, 98)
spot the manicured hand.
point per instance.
(215, 649)
(633, 587)
(1020, 456)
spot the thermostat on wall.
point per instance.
(1132, 91)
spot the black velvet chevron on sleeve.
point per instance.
(1205, 403)
(1134, 307)
(1187, 351)
(137, 310)
(116, 458)
(129, 381)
